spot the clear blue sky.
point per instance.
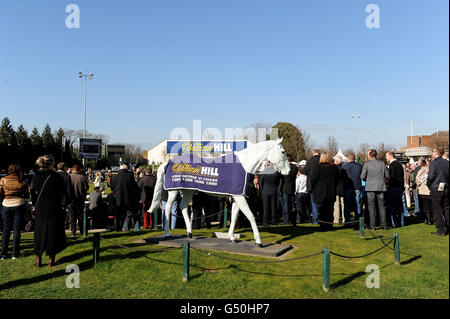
(230, 63)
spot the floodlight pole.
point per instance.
(86, 76)
(85, 91)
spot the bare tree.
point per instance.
(361, 155)
(73, 135)
(382, 149)
(308, 142)
(332, 145)
(133, 153)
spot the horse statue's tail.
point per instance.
(158, 188)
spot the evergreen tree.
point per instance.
(59, 134)
(22, 136)
(48, 142)
(7, 134)
(293, 141)
(58, 140)
(35, 137)
(24, 148)
(8, 144)
(36, 144)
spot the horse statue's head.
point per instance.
(276, 155)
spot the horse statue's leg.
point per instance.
(168, 211)
(187, 196)
(234, 216)
(242, 203)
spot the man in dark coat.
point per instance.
(126, 195)
(437, 182)
(80, 187)
(288, 193)
(310, 164)
(270, 179)
(396, 187)
(254, 199)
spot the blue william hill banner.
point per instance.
(205, 147)
(226, 177)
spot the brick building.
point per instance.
(422, 145)
(439, 138)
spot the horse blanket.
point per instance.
(223, 176)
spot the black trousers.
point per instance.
(270, 208)
(120, 212)
(303, 211)
(130, 214)
(394, 205)
(325, 213)
(439, 206)
(76, 215)
(425, 207)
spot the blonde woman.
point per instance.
(47, 191)
(98, 182)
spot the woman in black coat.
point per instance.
(324, 180)
(49, 232)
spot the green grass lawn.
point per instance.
(124, 273)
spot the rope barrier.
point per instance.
(326, 252)
(382, 240)
(176, 215)
(141, 250)
(257, 262)
(207, 216)
(374, 235)
(371, 253)
(332, 223)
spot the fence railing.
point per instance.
(325, 252)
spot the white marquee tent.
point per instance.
(344, 158)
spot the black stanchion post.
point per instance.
(361, 227)
(186, 253)
(96, 246)
(326, 270)
(396, 249)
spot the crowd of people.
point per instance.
(322, 190)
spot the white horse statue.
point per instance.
(251, 160)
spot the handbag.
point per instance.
(29, 226)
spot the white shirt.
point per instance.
(300, 184)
